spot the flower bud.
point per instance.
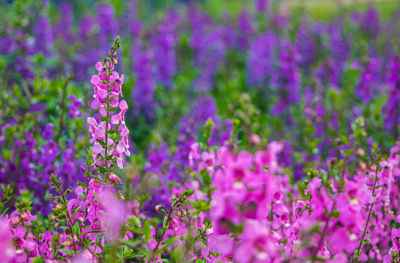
(255, 139)
(15, 220)
(114, 178)
(24, 215)
(67, 243)
(172, 223)
(362, 165)
(360, 152)
(158, 208)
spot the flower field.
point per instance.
(199, 131)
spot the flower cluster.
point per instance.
(262, 135)
(109, 132)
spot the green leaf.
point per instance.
(169, 242)
(147, 230)
(99, 237)
(95, 231)
(165, 222)
(129, 254)
(75, 229)
(335, 213)
(366, 241)
(102, 143)
(82, 195)
(177, 255)
(80, 183)
(87, 245)
(130, 243)
(206, 177)
(68, 252)
(75, 212)
(102, 169)
(37, 260)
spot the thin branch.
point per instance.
(62, 106)
(368, 218)
(324, 232)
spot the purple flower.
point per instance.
(306, 45)
(107, 25)
(164, 51)
(261, 5)
(289, 82)
(260, 61)
(209, 45)
(63, 29)
(245, 30)
(367, 85)
(48, 131)
(73, 108)
(144, 85)
(43, 36)
(391, 108)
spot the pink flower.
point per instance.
(194, 153)
(115, 211)
(107, 91)
(6, 251)
(396, 239)
(114, 178)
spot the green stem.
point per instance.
(164, 231)
(321, 239)
(106, 176)
(62, 106)
(70, 224)
(64, 203)
(368, 218)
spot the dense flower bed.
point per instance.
(259, 137)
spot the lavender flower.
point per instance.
(164, 50)
(63, 29)
(367, 85)
(73, 108)
(209, 47)
(245, 30)
(260, 61)
(144, 85)
(392, 110)
(43, 36)
(289, 83)
(107, 24)
(261, 5)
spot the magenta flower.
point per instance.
(396, 239)
(7, 251)
(115, 211)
